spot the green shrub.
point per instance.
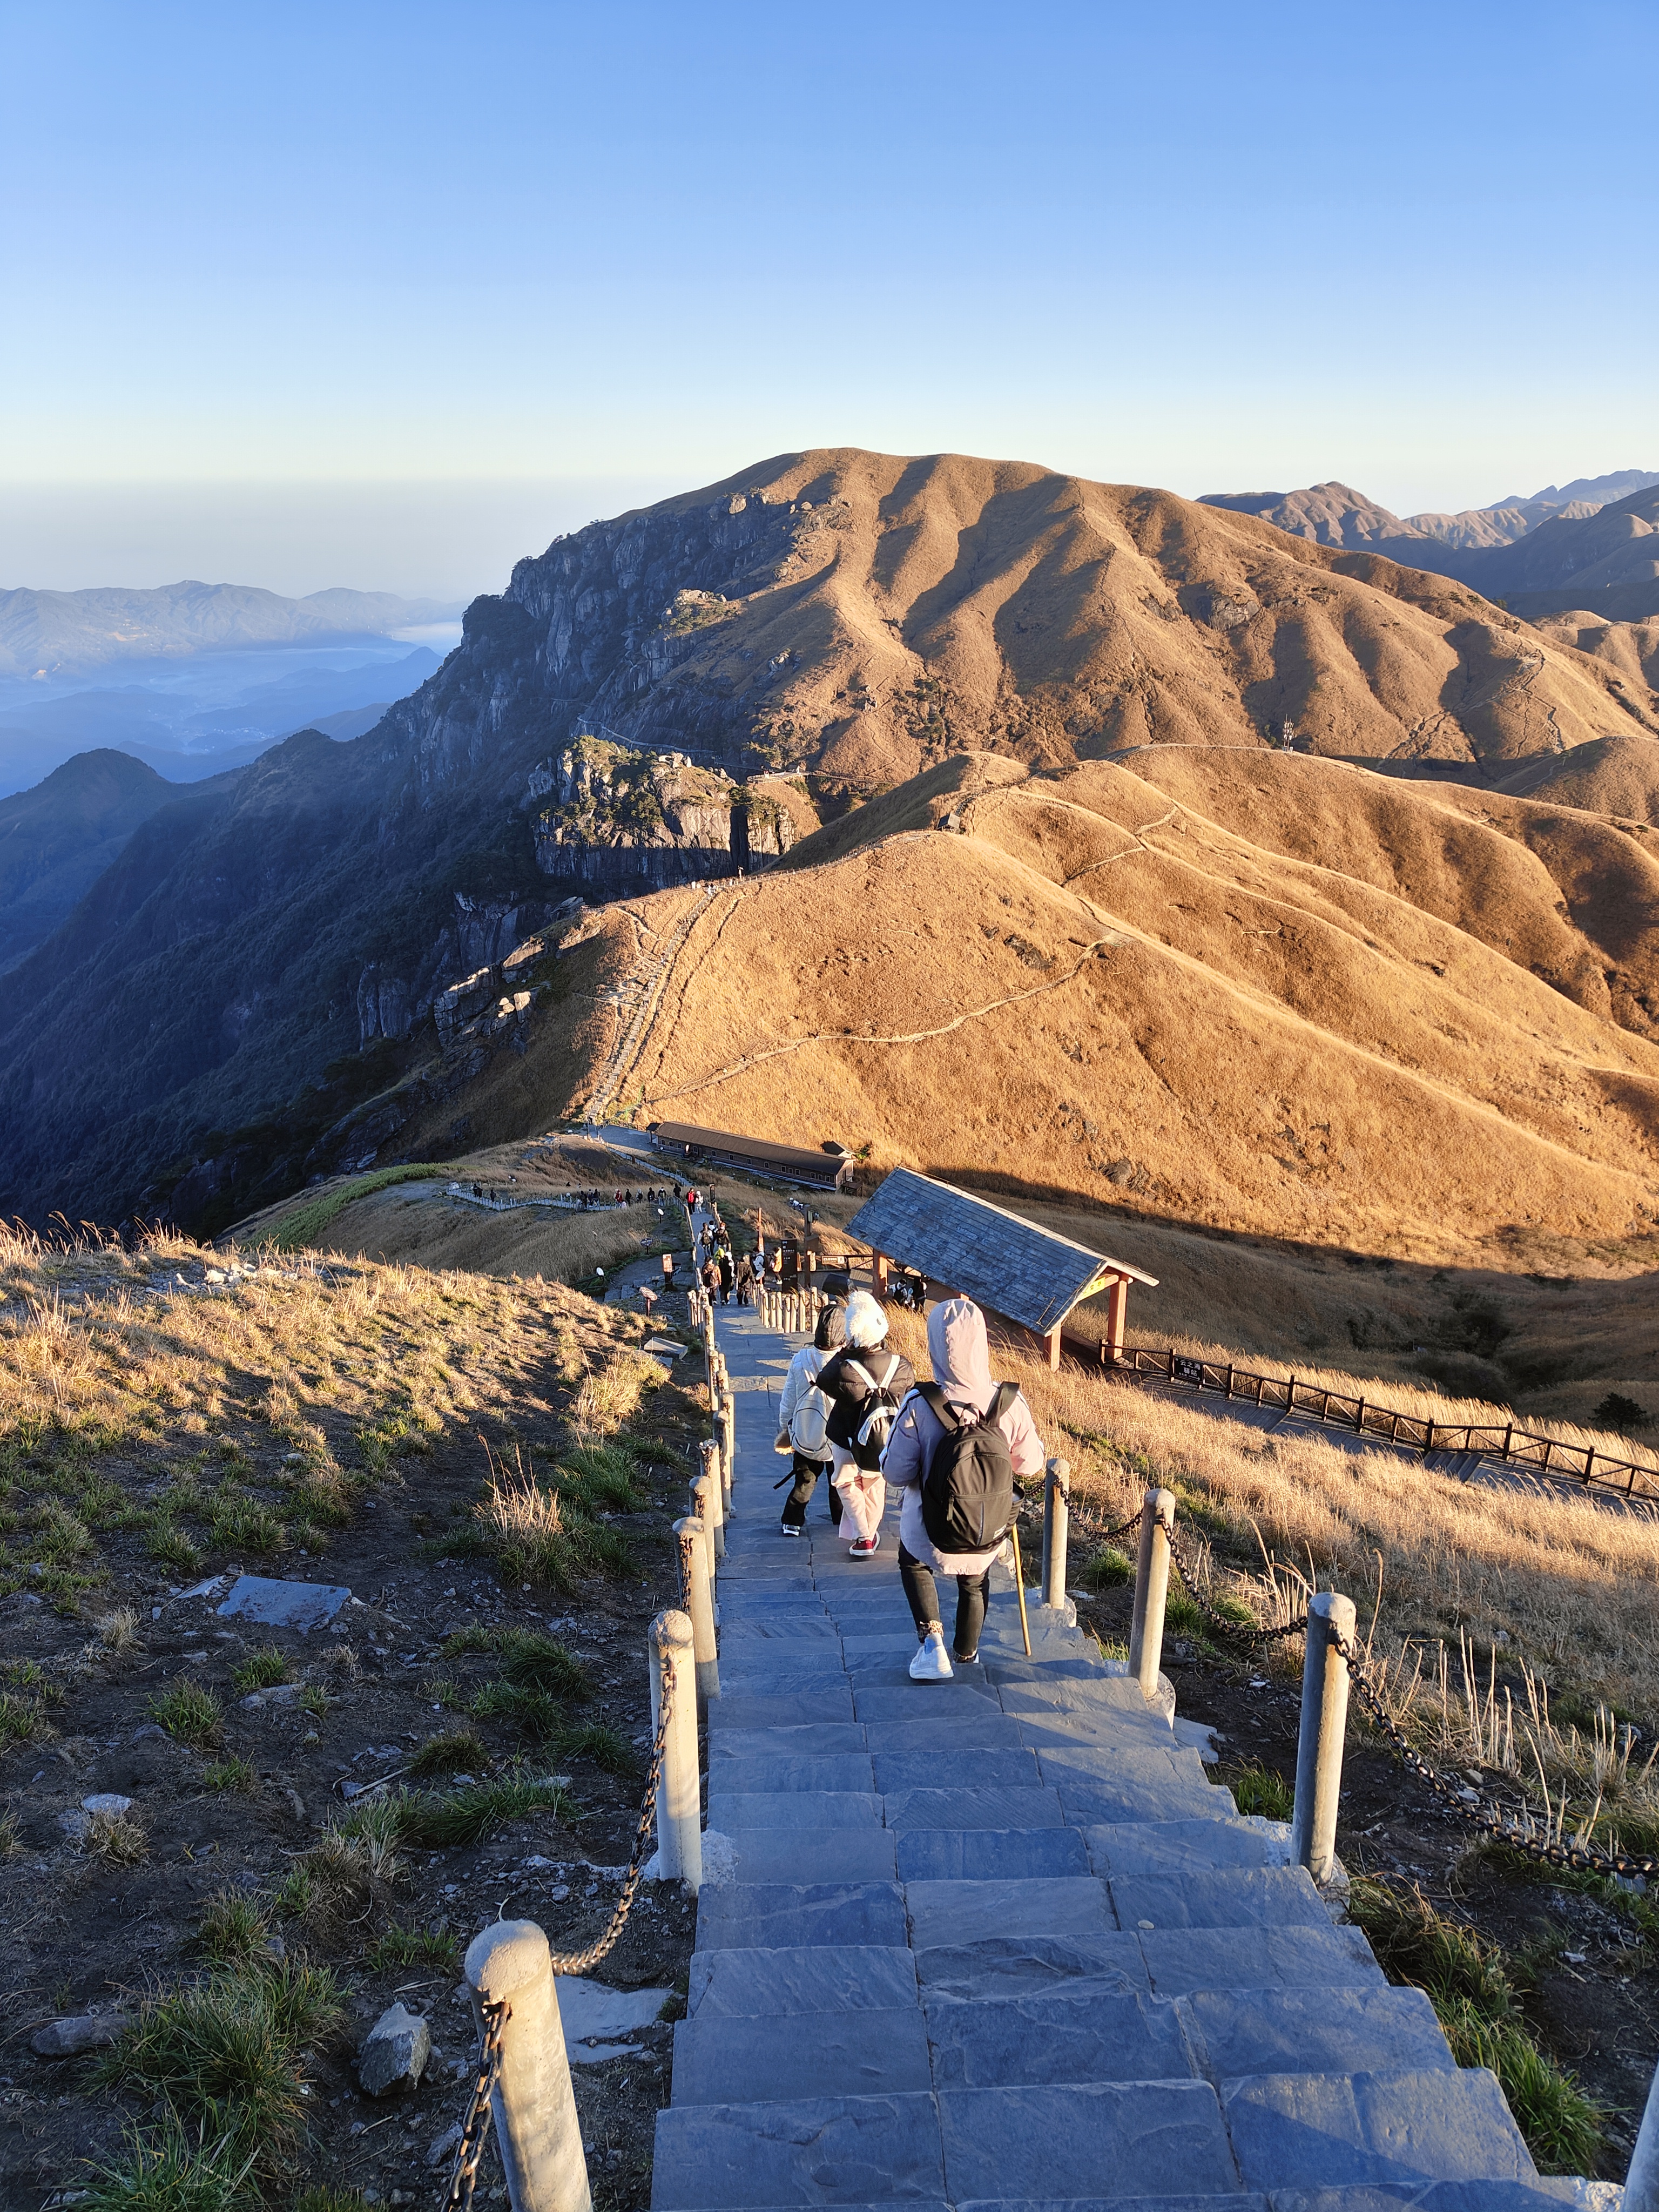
(261, 1670)
(236, 1774)
(188, 1713)
(413, 1946)
(166, 2173)
(534, 1661)
(437, 1820)
(453, 1751)
(232, 1929)
(1107, 1569)
(1257, 1789)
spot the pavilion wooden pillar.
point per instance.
(1052, 1340)
(1117, 1312)
(881, 1264)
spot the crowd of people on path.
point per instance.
(954, 1447)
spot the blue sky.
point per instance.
(385, 295)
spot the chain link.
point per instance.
(458, 2197)
(580, 1962)
(1577, 1858)
(1233, 1629)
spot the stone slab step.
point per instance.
(1238, 2204)
(938, 1730)
(1181, 1960)
(1115, 1759)
(1163, 2137)
(974, 1809)
(773, 1915)
(1103, 2036)
(1547, 2194)
(814, 1629)
(810, 2150)
(730, 1810)
(1169, 1848)
(859, 1978)
(1062, 1732)
(838, 1771)
(765, 2057)
(762, 1678)
(1233, 1897)
(970, 1766)
(989, 1854)
(1012, 1966)
(753, 1712)
(1100, 1803)
(907, 1702)
(966, 1913)
(812, 1740)
(1325, 2131)
(818, 1855)
(1233, 2033)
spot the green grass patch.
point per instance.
(169, 2172)
(189, 1713)
(228, 2054)
(533, 1660)
(609, 1751)
(235, 1774)
(21, 1719)
(261, 1670)
(300, 1229)
(413, 1946)
(171, 1546)
(1257, 1789)
(437, 1820)
(233, 1929)
(1108, 1569)
(1473, 1986)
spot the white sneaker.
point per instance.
(931, 1662)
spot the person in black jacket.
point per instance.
(863, 1383)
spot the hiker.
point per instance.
(865, 1383)
(955, 1449)
(724, 1273)
(745, 1281)
(804, 1415)
(711, 1279)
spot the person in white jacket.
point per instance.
(962, 1370)
(803, 1417)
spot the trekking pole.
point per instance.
(1019, 1587)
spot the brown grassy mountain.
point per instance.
(851, 619)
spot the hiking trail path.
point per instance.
(997, 1943)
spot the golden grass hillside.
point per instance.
(1326, 1023)
(933, 603)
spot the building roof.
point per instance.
(795, 1156)
(996, 1259)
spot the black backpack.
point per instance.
(968, 1492)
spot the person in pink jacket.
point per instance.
(962, 1370)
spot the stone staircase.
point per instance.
(998, 1944)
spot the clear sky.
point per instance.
(384, 294)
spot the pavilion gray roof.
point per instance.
(996, 1259)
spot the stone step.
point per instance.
(838, 1771)
(1012, 1966)
(1115, 1760)
(904, 1701)
(1100, 1803)
(1172, 1848)
(866, 1977)
(989, 1854)
(753, 1712)
(940, 1730)
(1101, 2036)
(729, 1811)
(1181, 1960)
(1354, 2131)
(818, 1855)
(772, 1914)
(974, 1808)
(812, 1740)
(969, 1767)
(966, 1913)
(1163, 2137)
(1233, 2033)
(810, 2150)
(1233, 1897)
(766, 2057)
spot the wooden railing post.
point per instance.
(1320, 1737)
(536, 2130)
(694, 1539)
(1151, 1589)
(679, 1821)
(1056, 1515)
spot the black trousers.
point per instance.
(806, 1472)
(973, 1593)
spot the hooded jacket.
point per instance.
(962, 1368)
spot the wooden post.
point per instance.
(1320, 1738)
(679, 1823)
(1053, 1342)
(881, 1264)
(1117, 1311)
(1151, 1589)
(1057, 1490)
(536, 2130)
(702, 1609)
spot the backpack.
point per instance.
(808, 1423)
(881, 1409)
(968, 1492)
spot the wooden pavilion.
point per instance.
(1004, 1263)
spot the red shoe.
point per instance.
(866, 1547)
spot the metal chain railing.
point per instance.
(1218, 1621)
(686, 1541)
(463, 2180)
(580, 1962)
(1577, 1858)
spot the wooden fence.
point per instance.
(1310, 1401)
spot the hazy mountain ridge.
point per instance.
(58, 632)
(1550, 555)
(843, 617)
